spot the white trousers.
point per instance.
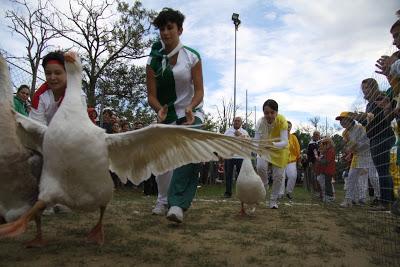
(356, 184)
(291, 174)
(277, 177)
(163, 181)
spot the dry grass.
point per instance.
(306, 233)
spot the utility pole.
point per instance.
(246, 109)
(236, 22)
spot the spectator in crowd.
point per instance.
(125, 127)
(357, 144)
(237, 131)
(384, 63)
(291, 168)
(21, 104)
(377, 120)
(137, 125)
(273, 128)
(175, 92)
(116, 128)
(325, 168)
(107, 123)
(312, 154)
(92, 115)
(114, 118)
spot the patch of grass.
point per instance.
(306, 234)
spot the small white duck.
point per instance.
(77, 156)
(250, 189)
(19, 167)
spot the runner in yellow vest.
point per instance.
(273, 129)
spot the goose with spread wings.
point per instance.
(77, 155)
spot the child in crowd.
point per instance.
(326, 168)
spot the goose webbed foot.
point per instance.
(38, 241)
(14, 228)
(19, 226)
(96, 235)
(242, 211)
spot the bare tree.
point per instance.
(225, 115)
(102, 34)
(315, 121)
(30, 26)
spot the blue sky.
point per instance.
(310, 56)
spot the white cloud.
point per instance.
(270, 16)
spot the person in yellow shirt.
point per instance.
(291, 168)
(273, 129)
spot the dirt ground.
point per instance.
(302, 233)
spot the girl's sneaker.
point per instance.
(346, 203)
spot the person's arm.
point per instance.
(38, 114)
(284, 139)
(394, 77)
(297, 148)
(152, 95)
(197, 76)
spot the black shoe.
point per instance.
(380, 207)
(289, 196)
(374, 202)
(226, 195)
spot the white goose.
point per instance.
(250, 189)
(77, 156)
(19, 168)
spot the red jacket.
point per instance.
(327, 164)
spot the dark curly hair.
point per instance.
(169, 15)
(56, 55)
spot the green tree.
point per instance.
(303, 137)
(123, 88)
(249, 127)
(209, 123)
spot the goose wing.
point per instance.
(158, 148)
(30, 132)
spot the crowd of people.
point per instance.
(175, 92)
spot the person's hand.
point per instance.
(383, 65)
(189, 116)
(238, 133)
(162, 114)
(383, 102)
(268, 144)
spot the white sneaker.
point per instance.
(346, 204)
(160, 209)
(273, 204)
(175, 214)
